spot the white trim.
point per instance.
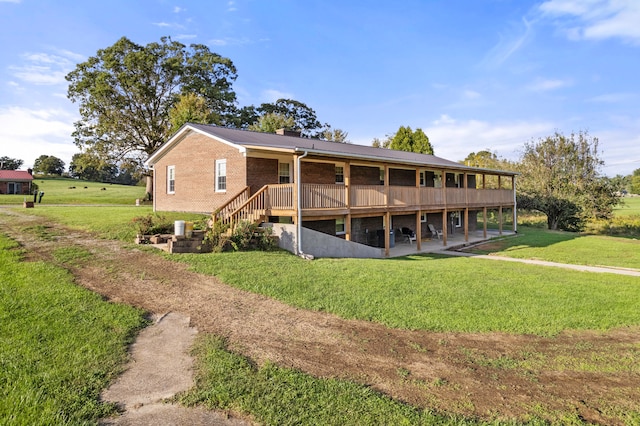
(218, 175)
(171, 177)
(289, 166)
(179, 136)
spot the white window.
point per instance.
(171, 179)
(456, 219)
(459, 178)
(437, 179)
(423, 180)
(221, 175)
(284, 173)
(14, 188)
(339, 174)
(340, 229)
(381, 176)
(423, 217)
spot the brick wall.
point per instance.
(321, 173)
(260, 172)
(401, 177)
(194, 160)
(24, 187)
(324, 226)
(363, 230)
(363, 175)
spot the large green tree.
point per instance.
(295, 115)
(125, 93)
(190, 108)
(91, 167)
(48, 165)
(560, 177)
(635, 182)
(334, 135)
(406, 139)
(304, 117)
(7, 163)
(270, 122)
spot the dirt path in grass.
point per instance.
(578, 375)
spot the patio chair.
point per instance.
(435, 232)
(409, 234)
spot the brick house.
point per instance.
(15, 182)
(345, 190)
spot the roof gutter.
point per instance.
(406, 162)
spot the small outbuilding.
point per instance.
(15, 182)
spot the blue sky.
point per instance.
(473, 74)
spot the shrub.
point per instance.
(626, 226)
(152, 224)
(244, 236)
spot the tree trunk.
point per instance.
(149, 189)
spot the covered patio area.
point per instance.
(434, 245)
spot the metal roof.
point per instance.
(270, 141)
(15, 175)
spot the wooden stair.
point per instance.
(242, 207)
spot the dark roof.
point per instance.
(15, 175)
(260, 140)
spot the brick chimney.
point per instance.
(285, 132)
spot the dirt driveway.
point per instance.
(479, 375)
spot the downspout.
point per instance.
(299, 203)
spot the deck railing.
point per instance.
(323, 196)
(252, 210)
(367, 195)
(232, 205)
(328, 196)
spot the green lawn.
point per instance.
(73, 191)
(631, 207)
(60, 345)
(111, 222)
(434, 292)
(567, 247)
(437, 293)
(283, 396)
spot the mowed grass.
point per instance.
(110, 222)
(435, 292)
(631, 207)
(60, 345)
(73, 191)
(567, 247)
(427, 292)
(283, 396)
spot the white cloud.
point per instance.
(471, 94)
(30, 133)
(178, 9)
(596, 19)
(230, 41)
(612, 98)
(272, 95)
(455, 139)
(508, 44)
(186, 36)
(218, 42)
(544, 85)
(43, 68)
